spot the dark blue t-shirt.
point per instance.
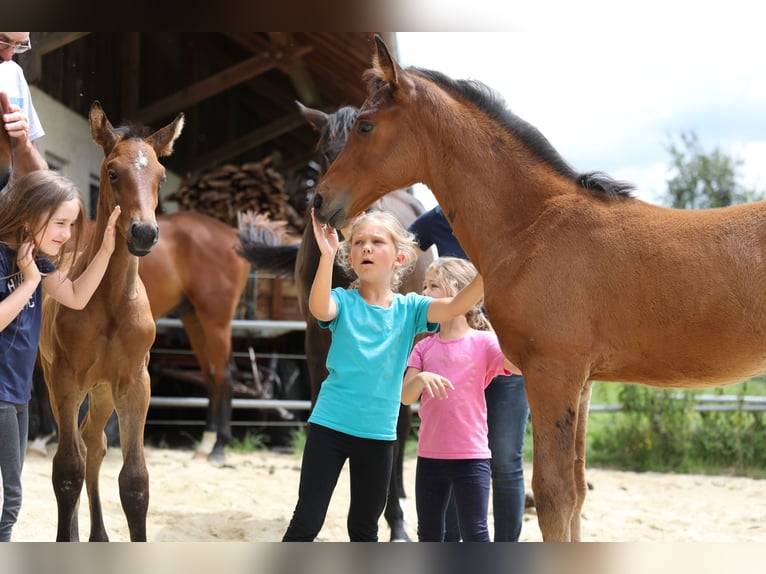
(20, 339)
(432, 228)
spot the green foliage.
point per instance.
(703, 179)
(660, 430)
(251, 441)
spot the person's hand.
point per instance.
(25, 260)
(107, 244)
(326, 236)
(435, 385)
(15, 123)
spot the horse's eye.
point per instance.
(365, 127)
(112, 175)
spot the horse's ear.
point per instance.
(162, 140)
(317, 118)
(101, 129)
(385, 63)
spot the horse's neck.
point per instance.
(490, 186)
(121, 277)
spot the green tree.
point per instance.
(703, 179)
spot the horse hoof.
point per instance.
(216, 458)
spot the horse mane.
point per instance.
(493, 104)
(334, 134)
(132, 130)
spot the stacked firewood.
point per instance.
(223, 192)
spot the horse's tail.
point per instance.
(278, 259)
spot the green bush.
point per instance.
(660, 430)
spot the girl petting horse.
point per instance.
(37, 217)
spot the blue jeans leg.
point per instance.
(507, 415)
(14, 424)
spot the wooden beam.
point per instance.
(296, 70)
(209, 87)
(255, 138)
(45, 42)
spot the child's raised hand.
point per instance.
(25, 260)
(326, 236)
(109, 233)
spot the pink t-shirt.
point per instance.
(456, 427)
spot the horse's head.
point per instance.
(379, 155)
(131, 175)
(333, 131)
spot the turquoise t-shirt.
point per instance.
(366, 363)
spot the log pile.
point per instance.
(223, 192)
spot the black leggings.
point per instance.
(324, 455)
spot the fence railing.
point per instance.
(706, 403)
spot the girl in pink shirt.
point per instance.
(448, 372)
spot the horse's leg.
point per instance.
(394, 513)
(131, 400)
(554, 398)
(217, 432)
(581, 485)
(68, 465)
(100, 408)
(218, 353)
(316, 347)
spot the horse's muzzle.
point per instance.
(142, 236)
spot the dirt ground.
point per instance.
(251, 498)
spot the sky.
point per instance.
(611, 95)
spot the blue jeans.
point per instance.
(468, 480)
(324, 454)
(14, 425)
(507, 416)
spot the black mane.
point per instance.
(494, 105)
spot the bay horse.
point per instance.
(301, 261)
(583, 282)
(195, 273)
(192, 272)
(102, 351)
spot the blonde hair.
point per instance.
(453, 274)
(28, 205)
(404, 242)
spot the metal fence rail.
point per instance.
(707, 403)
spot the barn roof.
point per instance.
(237, 89)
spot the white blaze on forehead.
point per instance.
(141, 160)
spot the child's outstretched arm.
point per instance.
(445, 308)
(12, 305)
(321, 304)
(77, 293)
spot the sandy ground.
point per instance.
(251, 499)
